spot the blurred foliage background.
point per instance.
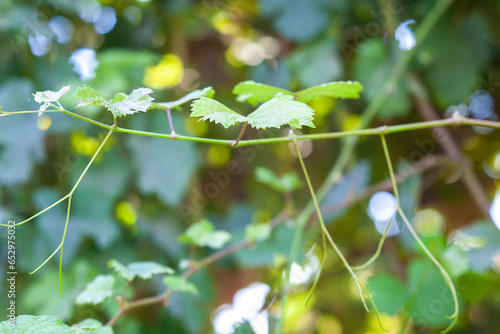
(142, 193)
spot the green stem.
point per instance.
(46, 260)
(445, 274)
(62, 244)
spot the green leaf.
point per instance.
(97, 290)
(30, 324)
(338, 89)
(179, 284)
(91, 326)
(282, 110)
(285, 183)
(48, 96)
(388, 292)
(204, 234)
(216, 112)
(258, 232)
(138, 100)
(144, 270)
(255, 93)
(88, 96)
(194, 95)
(119, 97)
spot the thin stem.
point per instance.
(46, 260)
(242, 131)
(62, 244)
(445, 274)
(172, 130)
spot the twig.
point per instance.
(172, 130)
(242, 131)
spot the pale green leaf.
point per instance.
(144, 270)
(30, 324)
(88, 96)
(255, 93)
(48, 96)
(258, 232)
(284, 183)
(338, 89)
(119, 97)
(91, 326)
(195, 94)
(282, 110)
(216, 112)
(203, 234)
(138, 100)
(180, 284)
(97, 290)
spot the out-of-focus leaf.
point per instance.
(30, 324)
(284, 183)
(255, 93)
(144, 270)
(194, 95)
(91, 326)
(180, 284)
(371, 68)
(203, 234)
(258, 232)
(214, 111)
(455, 260)
(138, 100)
(88, 96)
(389, 293)
(338, 89)
(476, 286)
(282, 110)
(480, 258)
(97, 290)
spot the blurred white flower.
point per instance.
(105, 20)
(246, 307)
(84, 63)
(62, 28)
(495, 210)
(303, 274)
(39, 44)
(404, 36)
(381, 208)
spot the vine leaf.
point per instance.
(26, 324)
(138, 100)
(48, 96)
(180, 284)
(97, 291)
(203, 234)
(88, 96)
(338, 89)
(282, 110)
(284, 183)
(91, 326)
(215, 111)
(194, 95)
(255, 93)
(258, 232)
(144, 270)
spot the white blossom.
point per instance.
(405, 36)
(84, 63)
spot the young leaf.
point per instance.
(88, 96)
(195, 94)
(49, 96)
(30, 324)
(97, 291)
(257, 232)
(255, 93)
(138, 100)
(180, 284)
(282, 110)
(216, 112)
(338, 89)
(91, 326)
(144, 270)
(204, 234)
(284, 183)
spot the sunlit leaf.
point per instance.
(180, 284)
(203, 234)
(195, 94)
(255, 93)
(48, 96)
(144, 270)
(88, 96)
(30, 324)
(339, 89)
(284, 183)
(258, 232)
(91, 326)
(97, 290)
(138, 100)
(282, 110)
(215, 112)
